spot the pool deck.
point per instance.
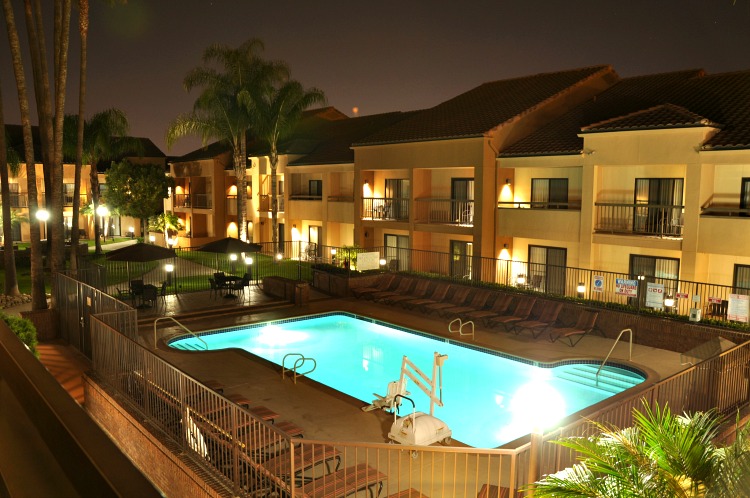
(322, 412)
(328, 415)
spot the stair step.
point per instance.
(610, 379)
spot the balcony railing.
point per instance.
(445, 211)
(199, 201)
(642, 219)
(572, 205)
(718, 210)
(305, 197)
(68, 200)
(385, 208)
(265, 202)
(20, 200)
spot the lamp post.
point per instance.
(43, 215)
(669, 303)
(249, 266)
(333, 256)
(581, 290)
(169, 268)
(102, 211)
(232, 262)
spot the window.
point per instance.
(549, 193)
(547, 269)
(68, 191)
(741, 279)
(745, 197)
(15, 198)
(461, 256)
(396, 252)
(663, 271)
(315, 188)
(397, 193)
(462, 200)
(659, 206)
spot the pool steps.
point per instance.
(609, 380)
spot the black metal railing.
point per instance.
(444, 211)
(572, 205)
(642, 219)
(385, 208)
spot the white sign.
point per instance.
(738, 308)
(655, 296)
(598, 284)
(626, 287)
(368, 261)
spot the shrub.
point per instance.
(24, 330)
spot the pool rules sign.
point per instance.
(654, 296)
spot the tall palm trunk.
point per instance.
(9, 258)
(83, 27)
(38, 297)
(241, 172)
(274, 159)
(94, 180)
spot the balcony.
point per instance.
(20, 200)
(445, 212)
(68, 200)
(639, 219)
(385, 208)
(198, 201)
(572, 205)
(264, 203)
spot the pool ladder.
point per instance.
(460, 328)
(299, 361)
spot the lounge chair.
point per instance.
(522, 312)
(420, 291)
(438, 294)
(477, 303)
(585, 324)
(492, 491)
(404, 286)
(459, 297)
(382, 284)
(499, 307)
(546, 319)
(408, 493)
(344, 482)
(307, 458)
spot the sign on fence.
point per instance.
(626, 287)
(368, 261)
(655, 296)
(738, 308)
(598, 284)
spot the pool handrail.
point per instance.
(297, 363)
(181, 326)
(461, 325)
(630, 354)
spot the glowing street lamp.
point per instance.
(43, 215)
(103, 212)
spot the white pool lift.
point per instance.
(418, 428)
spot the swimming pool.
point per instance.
(490, 398)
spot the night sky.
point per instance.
(386, 55)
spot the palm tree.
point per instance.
(38, 295)
(661, 455)
(83, 29)
(276, 112)
(104, 138)
(218, 112)
(9, 160)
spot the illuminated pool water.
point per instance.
(490, 399)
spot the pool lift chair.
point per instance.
(392, 399)
(418, 428)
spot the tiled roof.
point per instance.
(335, 138)
(627, 96)
(485, 107)
(209, 151)
(691, 98)
(661, 116)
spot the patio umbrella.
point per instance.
(230, 245)
(140, 253)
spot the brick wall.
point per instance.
(156, 459)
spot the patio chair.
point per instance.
(459, 297)
(477, 303)
(585, 324)
(214, 287)
(438, 294)
(522, 312)
(546, 319)
(382, 284)
(344, 482)
(163, 293)
(420, 291)
(499, 307)
(404, 286)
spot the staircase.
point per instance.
(612, 380)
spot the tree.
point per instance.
(661, 455)
(104, 138)
(38, 295)
(218, 113)
(9, 161)
(275, 114)
(137, 190)
(168, 223)
(83, 30)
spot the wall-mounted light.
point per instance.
(294, 226)
(367, 182)
(581, 290)
(507, 181)
(505, 246)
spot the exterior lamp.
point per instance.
(669, 303)
(232, 261)
(279, 256)
(333, 256)
(131, 231)
(382, 262)
(248, 260)
(43, 215)
(102, 211)
(152, 238)
(169, 268)
(521, 279)
(581, 289)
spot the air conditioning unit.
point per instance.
(695, 314)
